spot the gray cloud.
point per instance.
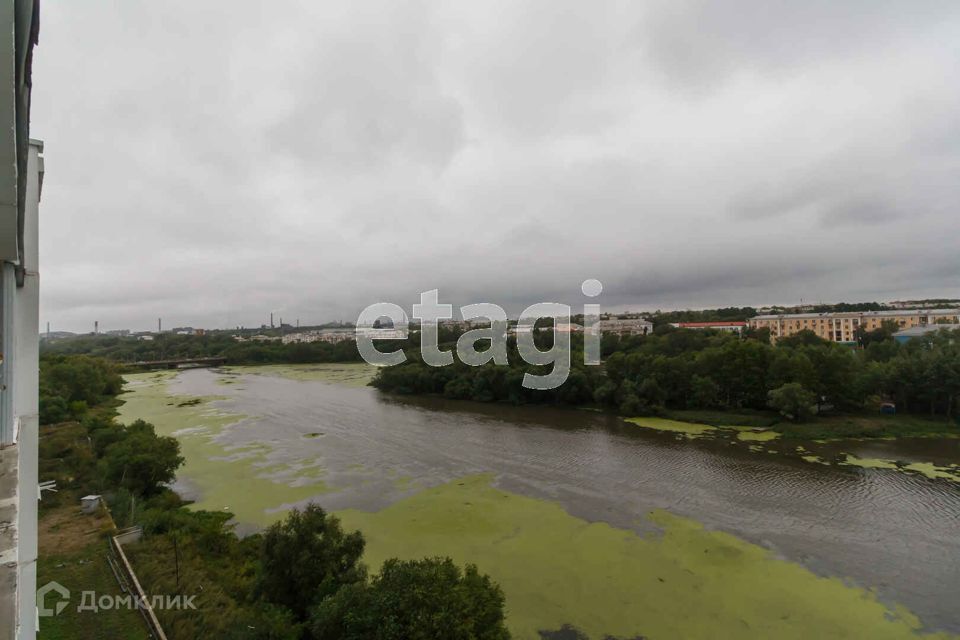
(213, 162)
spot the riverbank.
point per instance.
(421, 479)
(828, 427)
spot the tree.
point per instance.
(140, 460)
(705, 393)
(53, 408)
(792, 401)
(307, 557)
(877, 336)
(71, 384)
(651, 394)
(605, 393)
(429, 599)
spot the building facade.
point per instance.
(332, 336)
(626, 326)
(21, 175)
(737, 327)
(843, 327)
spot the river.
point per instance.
(583, 518)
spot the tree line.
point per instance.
(686, 369)
(169, 346)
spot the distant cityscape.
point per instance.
(839, 323)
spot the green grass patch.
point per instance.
(86, 570)
(843, 427)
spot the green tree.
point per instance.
(429, 599)
(141, 461)
(651, 393)
(307, 557)
(705, 393)
(792, 401)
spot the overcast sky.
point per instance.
(211, 162)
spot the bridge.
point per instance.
(179, 363)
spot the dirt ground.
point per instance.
(66, 529)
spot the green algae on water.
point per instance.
(226, 478)
(687, 429)
(688, 582)
(869, 463)
(352, 374)
(931, 470)
(757, 436)
(927, 469)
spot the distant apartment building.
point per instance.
(188, 331)
(464, 324)
(716, 326)
(626, 326)
(568, 327)
(385, 333)
(331, 336)
(843, 326)
(257, 338)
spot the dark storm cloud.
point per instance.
(213, 162)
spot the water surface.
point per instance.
(351, 447)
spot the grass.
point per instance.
(86, 570)
(73, 545)
(851, 426)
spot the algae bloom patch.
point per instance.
(686, 582)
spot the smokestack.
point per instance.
(271, 319)
(96, 327)
(48, 331)
(159, 325)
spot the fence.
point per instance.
(128, 579)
